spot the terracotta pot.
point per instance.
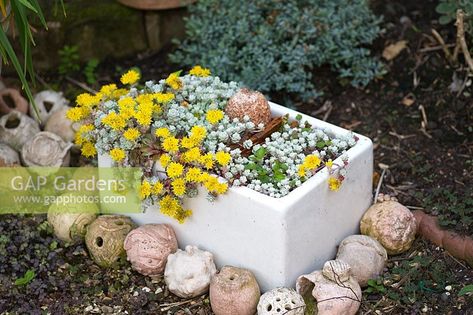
(457, 245)
(156, 4)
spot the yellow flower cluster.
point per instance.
(130, 77)
(334, 183)
(171, 206)
(311, 162)
(199, 71)
(174, 81)
(214, 116)
(117, 154)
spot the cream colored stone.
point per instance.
(188, 273)
(47, 102)
(46, 149)
(105, 236)
(71, 226)
(148, 247)
(281, 301)
(16, 129)
(234, 291)
(8, 156)
(335, 291)
(59, 124)
(391, 224)
(365, 255)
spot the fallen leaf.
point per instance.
(393, 50)
(408, 100)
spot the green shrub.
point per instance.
(275, 45)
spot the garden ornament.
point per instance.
(59, 124)
(234, 291)
(16, 128)
(250, 103)
(281, 301)
(105, 236)
(188, 273)
(391, 224)
(8, 156)
(365, 255)
(47, 102)
(148, 247)
(71, 226)
(334, 289)
(46, 149)
(11, 99)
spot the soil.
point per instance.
(423, 143)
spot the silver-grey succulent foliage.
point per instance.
(276, 46)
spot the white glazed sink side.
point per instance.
(278, 239)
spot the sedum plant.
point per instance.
(275, 46)
(177, 131)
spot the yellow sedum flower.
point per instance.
(329, 163)
(77, 113)
(157, 188)
(163, 98)
(207, 160)
(144, 113)
(117, 154)
(198, 133)
(223, 158)
(145, 189)
(192, 155)
(311, 162)
(171, 144)
(130, 77)
(131, 134)
(114, 121)
(88, 100)
(214, 116)
(174, 81)
(127, 107)
(88, 149)
(199, 71)
(108, 90)
(334, 183)
(193, 174)
(179, 186)
(164, 160)
(301, 171)
(162, 132)
(174, 169)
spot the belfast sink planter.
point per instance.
(278, 239)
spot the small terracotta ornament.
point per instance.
(60, 125)
(334, 289)
(105, 236)
(234, 291)
(281, 301)
(8, 156)
(188, 272)
(46, 149)
(71, 226)
(148, 247)
(391, 224)
(11, 99)
(365, 255)
(47, 102)
(250, 103)
(16, 128)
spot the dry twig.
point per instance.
(461, 38)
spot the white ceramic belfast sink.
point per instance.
(278, 239)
